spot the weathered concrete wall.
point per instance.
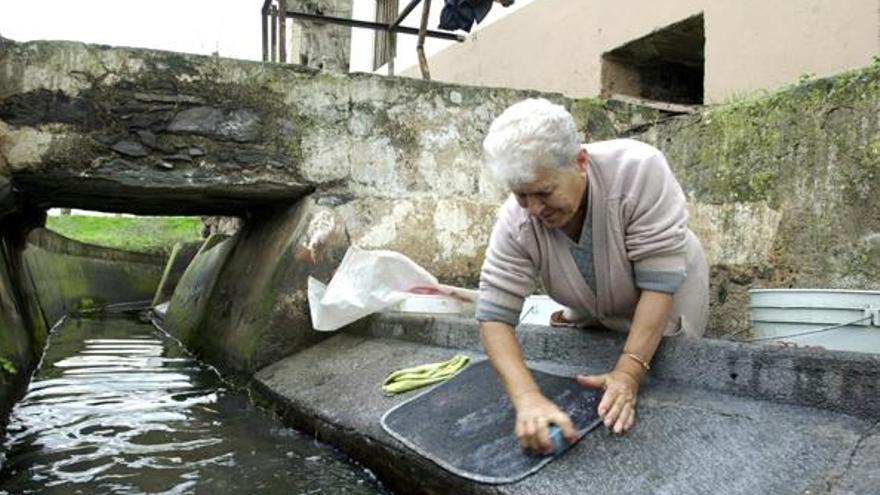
(404, 160)
(181, 256)
(190, 301)
(22, 330)
(246, 306)
(98, 120)
(781, 188)
(259, 305)
(750, 45)
(784, 189)
(406, 166)
(67, 276)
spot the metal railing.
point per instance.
(274, 14)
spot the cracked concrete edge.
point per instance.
(394, 464)
(398, 467)
(862, 462)
(844, 382)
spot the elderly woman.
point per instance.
(604, 226)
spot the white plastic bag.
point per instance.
(365, 282)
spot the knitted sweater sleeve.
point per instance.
(655, 221)
(508, 274)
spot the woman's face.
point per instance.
(556, 194)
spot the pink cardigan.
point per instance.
(640, 235)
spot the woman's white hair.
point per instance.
(528, 136)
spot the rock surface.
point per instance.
(243, 303)
(784, 188)
(159, 133)
(697, 432)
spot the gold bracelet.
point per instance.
(638, 359)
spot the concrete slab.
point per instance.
(687, 442)
(845, 382)
(862, 468)
(689, 438)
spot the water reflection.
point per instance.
(117, 408)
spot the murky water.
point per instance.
(116, 407)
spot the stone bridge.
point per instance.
(148, 132)
(158, 133)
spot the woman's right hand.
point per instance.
(534, 414)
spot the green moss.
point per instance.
(811, 151)
(592, 118)
(7, 366)
(286, 132)
(744, 148)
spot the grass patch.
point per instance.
(140, 234)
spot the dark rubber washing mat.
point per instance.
(466, 424)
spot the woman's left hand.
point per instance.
(618, 405)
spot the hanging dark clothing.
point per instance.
(462, 14)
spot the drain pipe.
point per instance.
(274, 15)
(282, 31)
(420, 47)
(265, 21)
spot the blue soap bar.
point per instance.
(558, 440)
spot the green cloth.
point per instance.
(407, 379)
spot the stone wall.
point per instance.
(67, 276)
(144, 132)
(22, 330)
(783, 189)
(242, 303)
(401, 158)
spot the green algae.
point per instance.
(810, 151)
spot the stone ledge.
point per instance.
(844, 382)
(688, 439)
(56, 243)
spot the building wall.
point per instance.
(362, 39)
(747, 52)
(557, 45)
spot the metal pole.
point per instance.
(378, 26)
(420, 46)
(390, 42)
(403, 13)
(273, 12)
(282, 31)
(264, 12)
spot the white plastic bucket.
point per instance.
(846, 320)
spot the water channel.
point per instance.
(118, 407)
